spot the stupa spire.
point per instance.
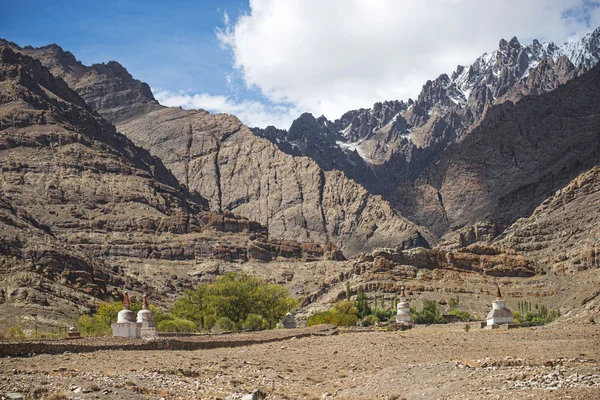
(402, 295)
(126, 301)
(145, 302)
(499, 295)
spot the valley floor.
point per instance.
(554, 362)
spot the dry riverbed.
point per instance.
(555, 362)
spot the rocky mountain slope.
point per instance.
(519, 155)
(395, 140)
(107, 88)
(221, 160)
(564, 231)
(80, 204)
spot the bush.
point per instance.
(178, 325)
(224, 324)
(345, 307)
(253, 322)
(332, 317)
(463, 315)
(382, 314)
(369, 320)
(15, 333)
(429, 315)
(209, 321)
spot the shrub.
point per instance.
(224, 324)
(369, 320)
(209, 321)
(345, 307)
(463, 315)
(429, 315)
(178, 325)
(254, 322)
(332, 317)
(15, 333)
(382, 314)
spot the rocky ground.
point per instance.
(555, 362)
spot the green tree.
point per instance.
(234, 295)
(273, 302)
(430, 314)
(345, 307)
(193, 306)
(453, 303)
(362, 305)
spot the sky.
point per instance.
(268, 61)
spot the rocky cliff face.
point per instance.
(222, 160)
(518, 156)
(564, 231)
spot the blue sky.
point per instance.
(170, 44)
(267, 61)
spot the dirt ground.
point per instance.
(428, 362)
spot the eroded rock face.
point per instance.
(563, 232)
(220, 159)
(493, 261)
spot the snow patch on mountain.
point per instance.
(351, 147)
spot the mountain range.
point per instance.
(488, 173)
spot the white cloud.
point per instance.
(250, 112)
(328, 56)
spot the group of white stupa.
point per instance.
(498, 315)
(128, 326)
(144, 327)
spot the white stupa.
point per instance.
(499, 314)
(403, 315)
(126, 325)
(145, 321)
